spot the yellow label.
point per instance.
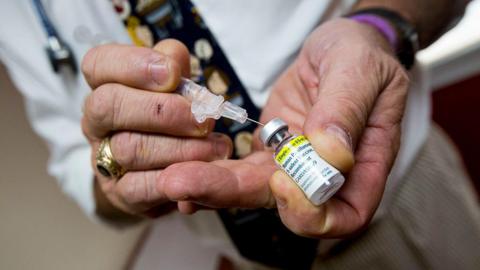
(280, 157)
(286, 149)
(298, 141)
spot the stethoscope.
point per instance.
(58, 51)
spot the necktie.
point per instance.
(258, 234)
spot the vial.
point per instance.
(295, 155)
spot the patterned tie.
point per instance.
(258, 234)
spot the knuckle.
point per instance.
(401, 79)
(129, 194)
(87, 131)
(98, 106)
(133, 192)
(398, 75)
(179, 184)
(89, 62)
(127, 148)
(175, 186)
(158, 179)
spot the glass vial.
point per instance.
(296, 156)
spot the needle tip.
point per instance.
(256, 122)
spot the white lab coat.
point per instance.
(270, 39)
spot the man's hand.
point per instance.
(150, 128)
(347, 93)
(154, 136)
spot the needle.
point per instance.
(256, 122)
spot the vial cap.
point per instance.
(272, 127)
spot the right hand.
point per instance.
(150, 127)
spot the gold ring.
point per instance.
(106, 163)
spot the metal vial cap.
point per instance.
(271, 128)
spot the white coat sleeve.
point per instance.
(54, 109)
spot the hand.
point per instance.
(347, 93)
(150, 127)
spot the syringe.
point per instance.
(205, 104)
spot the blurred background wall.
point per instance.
(40, 228)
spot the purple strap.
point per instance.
(381, 24)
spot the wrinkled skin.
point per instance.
(345, 91)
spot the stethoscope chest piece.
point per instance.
(59, 53)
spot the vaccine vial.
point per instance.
(296, 156)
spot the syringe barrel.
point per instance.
(234, 112)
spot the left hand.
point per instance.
(347, 93)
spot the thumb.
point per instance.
(333, 133)
(180, 57)
(339, 115)
(333, 144)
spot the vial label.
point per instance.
(300, 161)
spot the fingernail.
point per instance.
(159, 70)
(222, 147)
(341, 135)
(204, 128)
(281, 203)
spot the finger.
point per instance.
(220, 184)
(331, 219)
(136, 151)
(347, 91)
(175, 50)
(135, 192)
(114, 107)
(375, 155)
(342, 104)
(136, 67)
